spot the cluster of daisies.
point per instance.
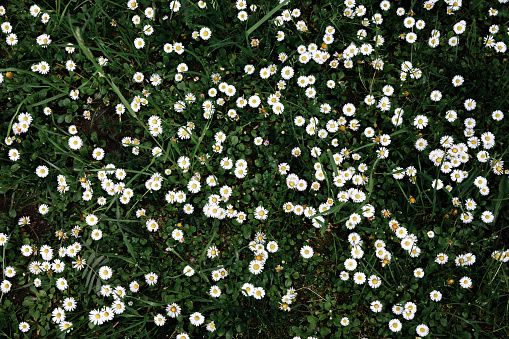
(249, 290)
(23, 124)
(451, 154)
(19, 127)
(351, 264)
(212, 208)
(117, 294)
(110, 187)
(41, 272)
(339, 178)
(58, 315)
(499, 255)
(117, 307)
(450, 157)
(12, 39)
(241, 6)
(261, 253)
(133, 143)
(408, 311)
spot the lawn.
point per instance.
(272, 169)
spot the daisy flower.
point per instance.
(173, 310)
(188, 271)
(35, 10)
(422, 330)
(215, 291)
(261, 213)
(420, 121)
(442, 258)
(376, 306)
(159, 319)
(151, 278)
(359, 278)
(306, 252)
(42, 171)
(105, 272)
(9, 271)
(395, 325)
(435, 295)
(196, 319)
(69, 304)
(465, 282)
(374, 281)
(457, 80)
(205, 33)
(256, 267)
(24, 327)
(470, 104)
(132, 4)
(139, 43)
(211, 327)
(58, 315)
(258, 293)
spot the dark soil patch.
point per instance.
(38, 225)
(106, 123)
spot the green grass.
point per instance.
(324, 299)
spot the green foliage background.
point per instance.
(131, 251)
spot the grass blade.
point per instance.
(266, 17)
